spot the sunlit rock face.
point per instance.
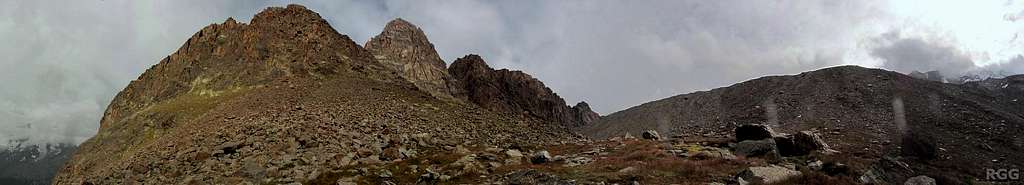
(404, 47)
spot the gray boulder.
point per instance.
(541, 157)
(757, 148)
(651, 135)
(766, 174)
(800, 144)
(920, 180)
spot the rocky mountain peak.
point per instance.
(279, 42)
(469, 65)
(583, 114)
(513, 91)
(293, 14)
(404, 48)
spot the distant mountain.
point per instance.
(32, 164)
(863, 110)
(1010, 86)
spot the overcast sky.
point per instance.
(63, 61)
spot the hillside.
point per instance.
(284, 98)
(962, 129)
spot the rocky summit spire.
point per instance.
(405, 48)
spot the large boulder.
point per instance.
(753, 132)
(757, 148)
(514, 157)
(920, 180)
(540, 157)
(800, 144)
(651, 135)
(765, 174)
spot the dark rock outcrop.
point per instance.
(513, 91)
(757, 148)
(404, 48)
(753, 132)
(583, 114)
(651, 135)
(540, 157)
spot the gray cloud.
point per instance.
(907, 53)
(1007, 67)
(928, 52)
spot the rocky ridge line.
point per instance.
(513, 91)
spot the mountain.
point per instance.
(21, 163)
(948, 131)
(404, 48)
(513, 91)
(286, 98)
(1010, 86)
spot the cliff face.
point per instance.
(513, 91)
(404, 48)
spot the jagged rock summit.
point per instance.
(404, 47)
(513, 91)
